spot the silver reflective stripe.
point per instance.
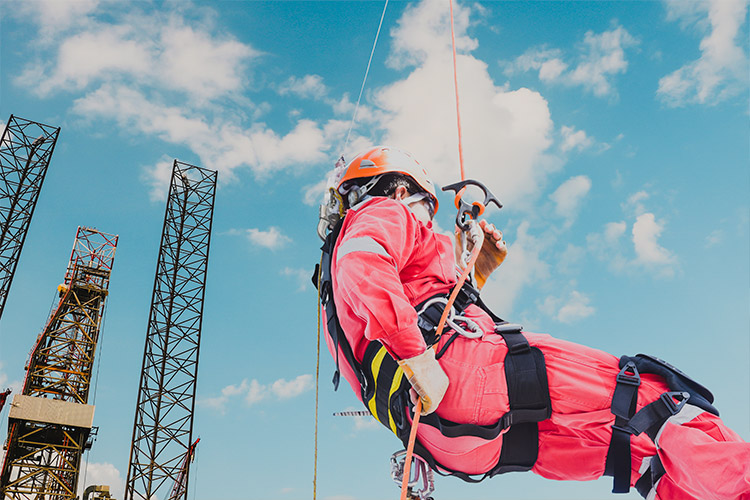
(688, 413)
(645, 464)
(363, 244)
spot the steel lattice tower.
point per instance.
(25, 151)
(163, 427)
(50, 423)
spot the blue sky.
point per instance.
(615, 133)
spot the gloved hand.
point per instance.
(492, 255)
(427, 378)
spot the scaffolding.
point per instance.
(50, 423)
(26, 148)
(163, 425)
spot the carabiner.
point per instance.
(475, 209)
(420, 472)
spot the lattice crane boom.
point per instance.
(51, 421)
(163, 424)
(26, 148)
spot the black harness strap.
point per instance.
(648, 419)
(624, 403)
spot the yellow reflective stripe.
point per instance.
(376, 362)
(395, 384)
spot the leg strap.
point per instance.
(649, 419)
(623, 407)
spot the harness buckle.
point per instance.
(420, 473)
(668, 398)
(625, 378)
(506, 327)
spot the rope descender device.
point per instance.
(421, 480)
(474, 209)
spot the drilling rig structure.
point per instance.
(162, 442)
(26, 148)
(50, 423)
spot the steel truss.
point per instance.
(50, 423)
(25, 151)
(163, 426)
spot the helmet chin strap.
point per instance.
(414, 198)
(411, 203)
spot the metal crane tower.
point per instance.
(163, 427)
(49, 424)
(25, 151)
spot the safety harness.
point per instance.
(385, 388)
(385, 391)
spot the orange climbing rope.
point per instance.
(458, 108)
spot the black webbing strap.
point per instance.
(648, 419)
(652, 417)
(623, 407)
(648, 480)
(323, 281)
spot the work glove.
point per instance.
(427, 379)
(493, 252)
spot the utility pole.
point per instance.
(26, 148)
(50, 423)
(163, 426)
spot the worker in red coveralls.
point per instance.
(637, 419)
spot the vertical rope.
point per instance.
(367, 71)
(317, 392)
(458, 110)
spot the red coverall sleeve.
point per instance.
(375, 246)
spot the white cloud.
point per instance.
(501, 127)
(569, 195)
(53, 16)
(256, 392)
(568, 309)
(301, 276)
(714, 238)
(220, 144)
(272, 238)
(601, 57)
(166, 75)
(150, 52)
(646, 232)
(522, 267)
(253, 392)
(613, 231)
(722, 69)
(423, 31)
(284, 389)
(309, 86)
(104, 474)
(574, 139)
(634, 203)
(608, 246)
(648, 254)
(313, 194)
(577, 307)
(5, 383)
